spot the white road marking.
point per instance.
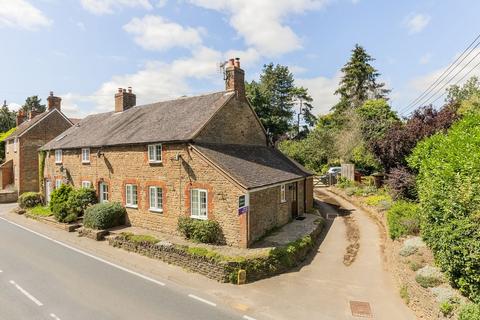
(54, 316)
(202, 300)
(86, 253)
(28, 295)
(248, 318)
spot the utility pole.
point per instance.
(298, 116)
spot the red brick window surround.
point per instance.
(86, 184)
(199, 204)
(131, 195)
(155, 197)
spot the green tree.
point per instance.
(359, 82)
(467, 95)
(376, 117)
(7, 118)
(274, 98)
(33, 103)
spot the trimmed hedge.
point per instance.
(448, 184)
(104, 215)
(80, 199)
(403, 219)
(58, 203)
(205, 231)
(30, 200)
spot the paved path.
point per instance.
(74, 286)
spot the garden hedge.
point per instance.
(448, 184)
(30, 199)
(104, 216)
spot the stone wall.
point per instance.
(224, 269)
(118, 166)
(235, 124)
(309, 193)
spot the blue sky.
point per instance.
(84, 49)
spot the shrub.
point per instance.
(446, 308)
(58, 202)
(448, 184)
(345, 183)
(469, 312)
(104, 215)
(429, 277)
(80, 199)
(401, 184)
(404, 294)
(205, 231)
(379, 200)
(403, 218)
(30, 199)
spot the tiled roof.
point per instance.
(253, 166)
(167, 121)
(27, 124)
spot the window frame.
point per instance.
(157, 154)
(83, 154)
(244, 201)
(199, 216)
(57, 184)
(102, 192)
(283, 193)
(158, 205)
(84, 182)
(15, 144)
(132, 203)
(58, 156)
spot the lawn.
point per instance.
(40, 211)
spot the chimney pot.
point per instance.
(120, 90)
(129, 89)
(235, 78)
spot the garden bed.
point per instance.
(215, 265)
(50, 220)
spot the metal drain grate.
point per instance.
(361, 309)
(331, 216)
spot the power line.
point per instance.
(444, 74)
(425, 101)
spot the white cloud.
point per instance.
(22, 15)
(416, 22)
(157, 33)
(322, 90)
(261, 23)
(100, 7)
(14, 106)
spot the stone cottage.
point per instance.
(20, 169)
(206, 157)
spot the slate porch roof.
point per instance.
(253, 166)
(166, 121)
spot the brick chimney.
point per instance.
(54, 102)
(124, 99)
(235, 78)
(32, 114)
(20, 117)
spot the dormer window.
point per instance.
(58, 156)
(155, 153)
(86, 155)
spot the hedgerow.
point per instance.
(403, 219)
(448, 185)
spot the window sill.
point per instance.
(58, 162)
(199, 218)
(155, 210)
(131, 206)
(85, 162)
(283, 201)
(155, 162)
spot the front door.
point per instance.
(48, 190)
(294, 201)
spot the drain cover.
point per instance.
(331, 216)
(361, 309)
